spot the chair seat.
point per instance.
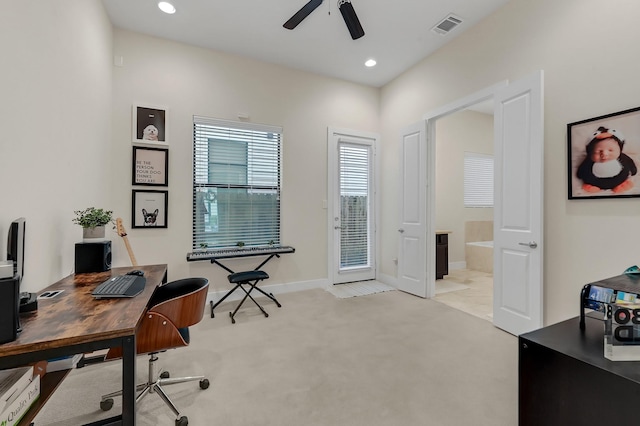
(241, 277)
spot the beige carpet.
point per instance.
(383, 359)
(360, 288)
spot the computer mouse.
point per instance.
(136, 272)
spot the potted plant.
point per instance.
(93, 221)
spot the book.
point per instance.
(12, 414)
(12, 382)
(63, 363)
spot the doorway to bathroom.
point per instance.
(518, 202)
(464, 147)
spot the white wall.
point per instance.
(55, 126)
(589, 55)
(463, 131)
(193, 81)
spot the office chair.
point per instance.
(172, 309)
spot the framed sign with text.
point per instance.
(150, 166)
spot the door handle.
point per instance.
(338, 227)
(530, 244)
(401, 230)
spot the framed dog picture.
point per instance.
(604, 156)
(149, 125)
(149, 208)
(150, 166)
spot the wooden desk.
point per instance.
(74, 322)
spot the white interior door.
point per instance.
(412, 230)
(518, 206)
(353, 206)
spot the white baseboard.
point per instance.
(388, 280)
(276, 289)
(214, 296)
(457, 265)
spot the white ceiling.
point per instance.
(397, 32)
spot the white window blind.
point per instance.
(236, 183)
(354, 203)
(478, 180)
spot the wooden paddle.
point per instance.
(123, 234)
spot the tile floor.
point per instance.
(476, 300)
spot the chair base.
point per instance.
(155, 384)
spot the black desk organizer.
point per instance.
(599, 295)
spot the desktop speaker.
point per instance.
(9, 299)
(93, 257)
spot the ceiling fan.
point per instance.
(346, 9)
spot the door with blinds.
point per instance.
(353, 209)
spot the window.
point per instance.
(478, 180)
(236, 183)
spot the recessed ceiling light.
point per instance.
(370, 63)
(166, 7)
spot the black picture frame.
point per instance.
(149, 209)
(150, 166)
(145, 117)
(607, 179)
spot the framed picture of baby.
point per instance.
(149, 209)
(149, 125)
(604, 156)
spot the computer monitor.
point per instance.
(15, 246)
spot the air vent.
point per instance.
(447, 24)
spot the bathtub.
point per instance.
(482, 244)
(479, 256)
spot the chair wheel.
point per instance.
(266, 315)
(106, 405)
(204, 384)
(233, 320)
(164, 375)
(182, 421)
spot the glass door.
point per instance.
(353, 213)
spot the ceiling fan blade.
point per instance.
(302, 13)
(351, 19)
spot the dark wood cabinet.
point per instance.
(564, 378)
(442, 255)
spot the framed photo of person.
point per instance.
(604, 156)
(150, 166)
(149, 125)
(149, 208)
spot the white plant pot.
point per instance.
(93, 234)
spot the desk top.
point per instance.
(586, 346)
(74, 317)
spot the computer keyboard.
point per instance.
(120, 286)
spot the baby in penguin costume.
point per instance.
(606, 166)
